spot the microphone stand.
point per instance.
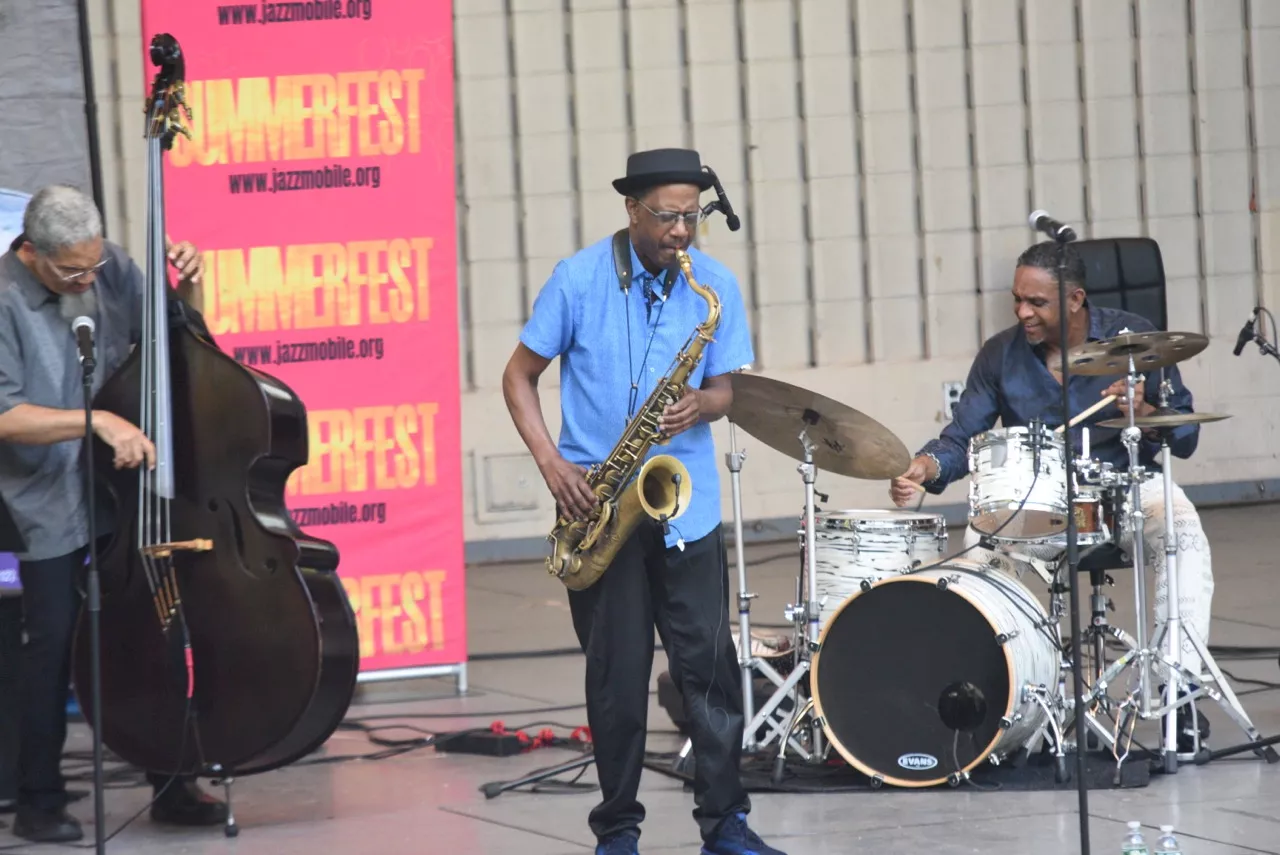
(1062, 237)
(1266, 347)
(88, 363)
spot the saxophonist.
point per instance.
(616, 336)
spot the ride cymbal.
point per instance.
(844, 440)
(1150, 350)
(1166, 420)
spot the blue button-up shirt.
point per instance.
(607, 340)
(1010, 381)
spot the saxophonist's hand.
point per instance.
(683, 414)
(568, 485)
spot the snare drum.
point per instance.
(850, 547)
(889, 653)
(1003, 463)
(1095, 516)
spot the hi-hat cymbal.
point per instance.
(1150, 350)
(844, 440)
(1166, 420)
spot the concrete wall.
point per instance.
(884, 155)
(43, 132)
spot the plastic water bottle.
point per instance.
(1133, 843)
(1167, 844)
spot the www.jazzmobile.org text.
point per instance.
(334, 177)
(333, 349)
(294, 12)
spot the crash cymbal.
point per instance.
(844, 440)
(1166, 420)
(1150, 350)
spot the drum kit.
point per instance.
(915, 666)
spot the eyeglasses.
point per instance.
(669, 218)
(77, 274)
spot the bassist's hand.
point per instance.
(568, 485)
(129, 443)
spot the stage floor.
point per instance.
(428, 802)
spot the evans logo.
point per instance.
(919, 762)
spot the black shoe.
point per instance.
(46, 826)
(183, 803)
(1187, 733)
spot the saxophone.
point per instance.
(583, 550)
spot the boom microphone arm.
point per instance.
(721, 203)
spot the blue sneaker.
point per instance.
(618, 844)
(733, 837)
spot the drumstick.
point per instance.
(1087, 413)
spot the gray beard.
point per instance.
(72, 306)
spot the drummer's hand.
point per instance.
(683, 414)
(921, 469)
(568, 485)
(1120, 389)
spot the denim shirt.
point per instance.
(1009, 381)
(608, 341)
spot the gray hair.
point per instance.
(58, 217)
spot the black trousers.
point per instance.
(10, 703)
(50, 605)
(686, 596)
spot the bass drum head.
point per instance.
(884, 661)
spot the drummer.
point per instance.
(1017, 377)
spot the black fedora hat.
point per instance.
(659, 166)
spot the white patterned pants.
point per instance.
(1195, 569)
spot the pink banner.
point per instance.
(319, 184)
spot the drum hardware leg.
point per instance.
(681, 764)
(746, 653)
(780, 763)
(811, 609)
(1217, 689)
(1127, 714)
(230, 829)
(765, 716)
(1036, 694)
(1131, 436)
(1173, 608)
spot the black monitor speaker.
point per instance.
(1126, 273)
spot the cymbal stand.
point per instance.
(1146, 654)
(1131, 518)
(805, 615)
(1174, 629)
(747, 659)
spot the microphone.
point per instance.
(962, 706)
(722, 202)
(83, 327)
(1246, 334)
(1042, 222)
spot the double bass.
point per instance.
(228, 645)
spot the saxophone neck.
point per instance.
(703, 291)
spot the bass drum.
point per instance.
(889, 654)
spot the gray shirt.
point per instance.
(44, 485)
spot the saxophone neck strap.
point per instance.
(622, 264)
